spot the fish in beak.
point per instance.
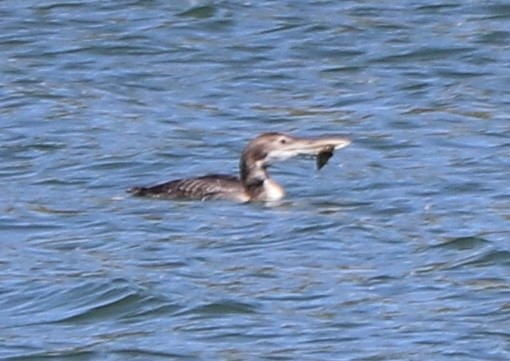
(279, 147)
(323, 156)
(285, 147)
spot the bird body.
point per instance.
(254, 183)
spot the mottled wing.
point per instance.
(214, 186)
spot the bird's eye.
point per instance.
(283, 141)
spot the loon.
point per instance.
(254, 183)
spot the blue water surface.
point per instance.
(397, 250)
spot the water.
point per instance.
(396, 250)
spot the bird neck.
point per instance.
(257, 182)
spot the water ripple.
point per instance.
(396, 250)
